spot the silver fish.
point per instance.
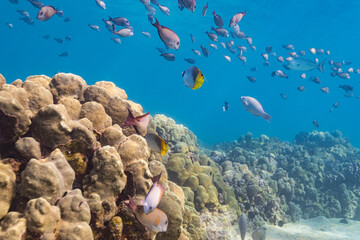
(243, 220)
(305, 65)
(168, 56)
(236, 18)
(222, 32)
(212, 36)
(218, 20)
(94, 27)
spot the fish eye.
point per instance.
(177, 43)
(166, 222)
(150, 208)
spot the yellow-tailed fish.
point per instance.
(193, 77)
(154, 195)
(156, 220)
(156, 143)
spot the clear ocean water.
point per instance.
(157, 85)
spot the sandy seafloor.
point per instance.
(319, 228)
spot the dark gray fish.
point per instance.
(205, 9)
(36, 4)
(336, 105)
(251, 79)
(242, 225)
(305, 65)
(346, 88)
(315, 123)
(212, 36)
(226, 106)
(266, 63)
(192, 38)
(338, 64)
(346, 62)
(222, 32)
(168, 56)
(154, 2)
(188, 4)
(190, 60)
(205, 51)
(28, 20)
(232, 50)
(64, 54)
(59, 40)
(315, 79)
(47, 36)
(109, 25)
(283, 96)
(68, 38)
(301, 88)
(67, 19)
(120, 21)
(343, 75)
(23, 13)
(218, 20)
(268, 49)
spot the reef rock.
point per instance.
(112, 89)
(7, 188)
(67, 85)
(13, 226)
(28, 148)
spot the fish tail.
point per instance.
(156, 24)
(267, 117)
(156, 179)
(321, 65)
(273, 74)
(110, 18)
(131, 204)
(214, 14)
(130, 119)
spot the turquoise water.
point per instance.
(157, 85)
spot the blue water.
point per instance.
(157, 85)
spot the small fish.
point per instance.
(168, 56)
(242, 58)
(47, 36)
(193, 77)
(325, 89)
(140, 123)
(156, 221)
(205, 9)
(197, 52)
(350, 70)
(305, 65)
(331, 62)
(10, 25)
(315, 79)
(151, 18)
(222, 32)
(289, 59)
(266, 63)
(251, 79)
(303, 75)
(301, 88)
(164, 9)
(319, 51)
(259, 234)
(218, 20)
(254, 107)
(338, 64)
(357, 71)
(265, 56)
(280, 59)
(225, 107)
(125, 32)
(346, 62)
(188, 4)
(94, 27)
(46, 12)
(28, 20)
(312, 50)
(315, 123)
(283, 96)
(288, 46)
(346, 88)
(60, 13)
(64, 54)
(109, 25)
(336, 105)
(279, 73)
(192, 38)
(59, 40)
(23, 13)
(68, 38)
(205, 51)
(349, 94)
(302, 53)
(227, 58)
(100, 4)
(268, 49)
(343, 75)
(190, 60)
(243, 223)
(153, 197)
(213, 46)
(169, 37)
(249, 40)
(67, 19)
(212, 36)
(120, 21)
(36, 4)
(293, 54)
(150, 9)
(146, 34)
(145, 2)
(236, 18)
(253, 69)
(327, 52)
(116, 40)
(161, 50)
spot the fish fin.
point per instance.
(267, 117)
(214, 14)
(321, 66)
(132, 204)
(130, 119)
(111, 19)
(157, 221)
(156, 179)
(157, 25)
(142, 202)
(142, 122)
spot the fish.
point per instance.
(280, 59)
(288, 47)
(218, 20)
(303, 75)
(259, 234)
(301, 88)
(192, 38)
(205, 51)
(120, 21)
(67, 19)
(156, 144)
(161, 50)
(146, 34)
(68, 38)
(94, 27)
(60, 13)
(153, 197)
(100, 4)
(315, 123)
(227, 58)
(226, 106)
(36, 4)
(243, 225)
(265, 56)
(64, 54)
(236, 18)
(145, 2)
(350, 70)
(254, 107)
(59, 40)
(124, 32)
(346, 88)
(222, 44)
(156, 221)
(346, 62)
(203, 13)
(116, 40)
(46, 12)
(23, 13)
(266, 63)
(242, 58)
(168, 56)
(169, 37)
(357, 71)
(193, 77)
(315, 79)
(283, 96)
(249, 40)
(213, 46)
(212, 36)
(319, 51)
(140, 123)
(305, 65)
(289, 59)
(331, 62)
(293, 54)
(343, 75)
(251, 79)
(47, 36)
(190, 60)
(197, 52)
(325, 89)
(188, 4)
(10, 25)
(327, 52)
(222, 32)
(253, 69)
(28, 20)
(279, 73)
(336, 105)
(312, 50)
(268, 49)
(349, 94)
(302, 53)
(151, 18)
(338, 64)
(164, 9)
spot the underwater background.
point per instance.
(135, 65)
